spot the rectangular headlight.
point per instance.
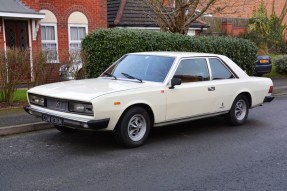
(37, 100)
(81, 107)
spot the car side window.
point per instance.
(192, 70)
(219, 70)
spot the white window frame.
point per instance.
(52, 41)
(69, 31)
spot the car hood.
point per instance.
(88, 89)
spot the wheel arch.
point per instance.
(248, 96)
(143, 105)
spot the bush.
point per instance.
(14, 68)
(103, 47)
(280, 63)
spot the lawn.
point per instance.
(20, 96)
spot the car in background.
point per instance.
(263, 65)
(151, 89)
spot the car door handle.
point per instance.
(211, 88)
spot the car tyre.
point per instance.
(133, 128)
(65, 129)
(239, 111)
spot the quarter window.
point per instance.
(192, 70)
(219, 70)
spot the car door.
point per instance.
(195, 96)
(225, 83)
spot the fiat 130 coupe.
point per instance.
(150, 89)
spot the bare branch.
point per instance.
(177, 15)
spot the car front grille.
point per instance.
(58, 105)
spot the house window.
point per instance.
(50, 42)
(49, 36)
(76, 34)
(78, 29)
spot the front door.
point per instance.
(195, 96)
(16, 34)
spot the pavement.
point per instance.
(16, 120)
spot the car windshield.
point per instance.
(142, 67)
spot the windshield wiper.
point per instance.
(131, 77)
(110, 75)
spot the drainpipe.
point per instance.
(5, 49)
(30, 49)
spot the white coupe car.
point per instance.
(150, 89)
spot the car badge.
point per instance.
(58, 104)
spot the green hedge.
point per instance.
(280, 63)
(105, 46)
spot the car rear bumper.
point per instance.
(75, 123)
(268, 99)
(263, 69)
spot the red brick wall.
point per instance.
(32, 4)
(244, 9)
(229, 29)
(94, 10)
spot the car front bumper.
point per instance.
(71, 122)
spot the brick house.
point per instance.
(51, 25)
(234, 18)
(57, 27)
(134, 14)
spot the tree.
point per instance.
(259, 25)
(277, 26)
(176, 16)
(268, 31)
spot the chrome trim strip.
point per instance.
(71, 122)
(38, 113)
(189, 119)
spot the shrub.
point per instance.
(103, 47)
(14, 68)
(280, 63)
(41, 69)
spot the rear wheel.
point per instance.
(239, 111)
(65, 129)
(133, 128)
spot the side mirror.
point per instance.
(175, 82)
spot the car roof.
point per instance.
(175, 54)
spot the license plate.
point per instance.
(52, 119)
(264, 61)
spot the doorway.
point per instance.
(16, 34)
(18, 55)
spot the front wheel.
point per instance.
(133, 128)
(239, 111)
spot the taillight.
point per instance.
(270, 90)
